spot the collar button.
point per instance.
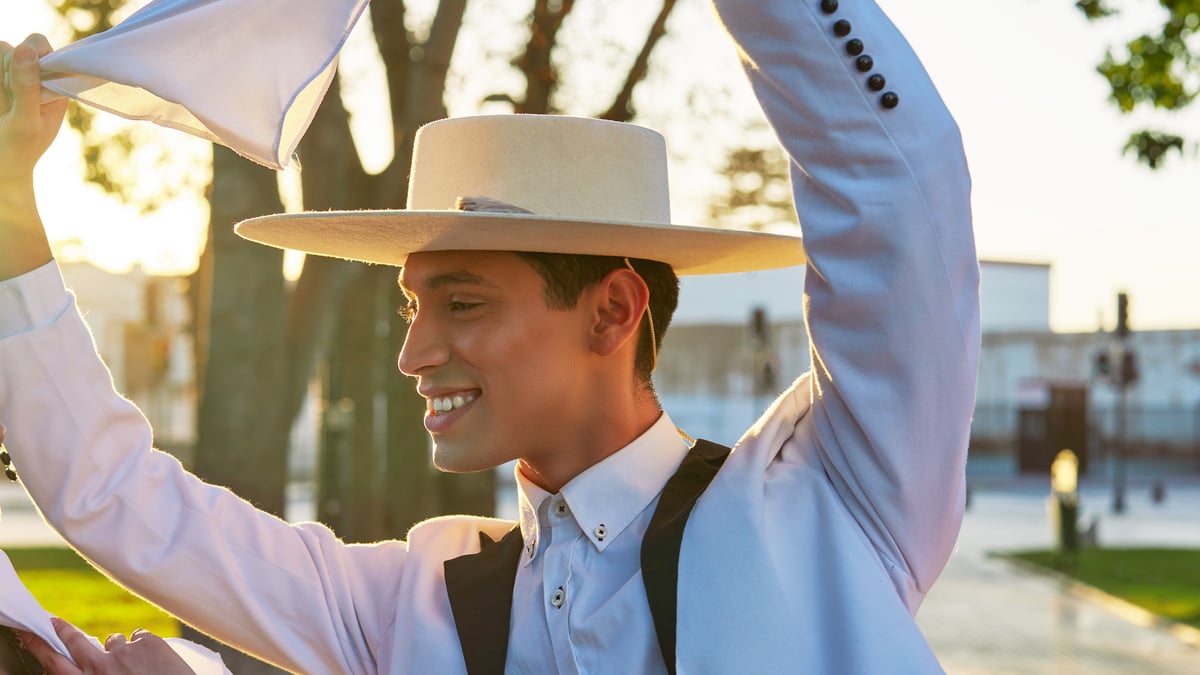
(601, 532)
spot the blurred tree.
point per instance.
(260, 339)
(757, 192)
(1159, 69)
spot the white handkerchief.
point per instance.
(248, 74)
(19, 610)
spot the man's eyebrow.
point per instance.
(439, 280)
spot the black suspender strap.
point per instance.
(664, 536)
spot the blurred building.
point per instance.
(715, 372)
(142, 328)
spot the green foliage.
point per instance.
(1163, 581)
(1152, 146)
(67, 586)
(1095, 9)
(1158, 70)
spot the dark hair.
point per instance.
(566, 275)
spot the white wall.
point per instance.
(1014, 296)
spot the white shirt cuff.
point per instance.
(32, 300)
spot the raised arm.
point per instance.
(294, 595)
(891, 292)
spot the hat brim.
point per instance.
(388, 237)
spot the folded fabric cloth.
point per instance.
(248, 74)
(19, 610)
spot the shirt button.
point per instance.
(560, 508)
(559, 597)
(601, 532)
(529, 549)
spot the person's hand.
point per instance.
(27, 127)
(144, 652)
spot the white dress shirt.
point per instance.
(579, 605)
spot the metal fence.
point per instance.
(1149, 431)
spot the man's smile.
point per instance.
(444, 404)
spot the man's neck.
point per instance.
(605, 439)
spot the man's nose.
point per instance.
(423, 348)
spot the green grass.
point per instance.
(67, 586)
(1161, 580)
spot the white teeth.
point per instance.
(448, 403)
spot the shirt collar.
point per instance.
(608, 496)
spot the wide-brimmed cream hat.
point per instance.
(566, 184)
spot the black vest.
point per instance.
(480, 585)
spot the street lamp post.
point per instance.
(1125, 376)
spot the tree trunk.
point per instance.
(242, 429)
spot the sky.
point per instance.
(1044, 145)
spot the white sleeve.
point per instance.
(291, 594)
(891, 291)
(32, 300)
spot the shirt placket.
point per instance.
(557, 583)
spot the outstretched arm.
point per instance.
(891, 292)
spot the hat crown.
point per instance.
(550, 165)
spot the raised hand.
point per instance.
(27, 127)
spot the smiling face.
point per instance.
(505, 376)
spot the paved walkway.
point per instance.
(988, 616)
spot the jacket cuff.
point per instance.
(32, 300)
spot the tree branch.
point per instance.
(621, 109)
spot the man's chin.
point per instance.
(450, 458)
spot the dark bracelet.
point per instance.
(7, 462)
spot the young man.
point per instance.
(807, 549)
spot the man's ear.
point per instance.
(619, 302)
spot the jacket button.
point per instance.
(889, 100)
(559, 597)
(854, 47)
(829, 6)
(864, 63)
(841, 28)
(876, 82)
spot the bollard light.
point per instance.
(1064, 480)
(1064, 474)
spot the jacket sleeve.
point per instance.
(291, 594)
(891, 291)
